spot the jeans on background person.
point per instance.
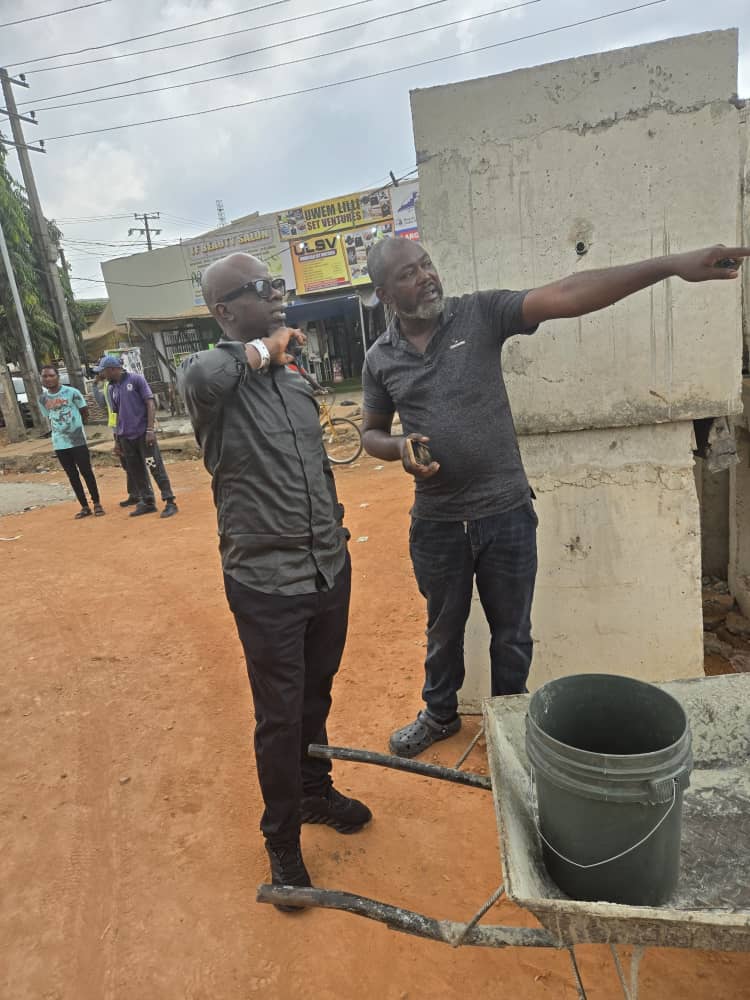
(500, 551)
(73, 461)
(293, 647)
(140, 459)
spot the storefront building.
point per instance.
(320, 249)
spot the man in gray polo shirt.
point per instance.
(287, 573)
(438, 365)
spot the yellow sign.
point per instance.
(320, 264)
(348, 212)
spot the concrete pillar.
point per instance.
(619, 583)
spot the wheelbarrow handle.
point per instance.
(400, 764)
(408, 921)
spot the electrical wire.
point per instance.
(302, 59)
(248, 52)
(357, 79)
(153, 34)
(207, 38)
(53, 13)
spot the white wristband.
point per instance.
(265, 357)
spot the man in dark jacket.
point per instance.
(287, 573)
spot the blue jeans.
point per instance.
(500, 551)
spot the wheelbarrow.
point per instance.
(711, 907)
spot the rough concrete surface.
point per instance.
(631, 154)
(16, 497)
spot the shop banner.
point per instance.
(336, 214)
(257, 237)
(357, 244)
(405, 210)
(320, 264)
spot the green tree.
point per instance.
(16, 221)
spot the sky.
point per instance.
(277, 153)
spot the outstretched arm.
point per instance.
(591, 290)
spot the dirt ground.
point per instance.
(129, 812)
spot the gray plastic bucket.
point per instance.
(610, 757)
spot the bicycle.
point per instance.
(342, 438)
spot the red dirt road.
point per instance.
(129, 812)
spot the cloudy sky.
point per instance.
(276, 152)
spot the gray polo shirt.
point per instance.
(279, 518)
(455, 394)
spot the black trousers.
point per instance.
(293, 647)
(140, 459)
(73, 461)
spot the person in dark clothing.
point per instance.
(287, 573)
(131, 399)
(473, 519)
(66, 410)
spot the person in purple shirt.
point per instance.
(135, 437)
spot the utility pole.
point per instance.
(32, 382)
(220, 213)
(47, 253)
(9, 403)
(146, 231)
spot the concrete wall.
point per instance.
(632, 153)
(619, 588)
(635, 153)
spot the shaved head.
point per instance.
(243, 309)
(384, 256)
(230, 272)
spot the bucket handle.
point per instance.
(616, 857)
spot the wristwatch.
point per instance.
(265, 357)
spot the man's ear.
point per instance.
(221, 312)
(383, 295)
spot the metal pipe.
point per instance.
(398, 919)
(400, 764)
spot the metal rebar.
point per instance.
(408, 921)
(400, 764)
(471, 746)
(620, 973)
(480, 913)
(577, 974)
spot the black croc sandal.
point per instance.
(419, 735)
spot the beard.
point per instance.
(425, 310)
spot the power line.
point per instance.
(358, 79)
(140, 38)
(53, 13)
(249, 52)
(197, 41)
(190, 222)
(125, 284)
(89, 218)
(302, 59)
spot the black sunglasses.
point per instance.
(263, 288)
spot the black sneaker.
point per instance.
(336, 810)
(169, 510)
(143, 508)
(287, 868)
(130, 502)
